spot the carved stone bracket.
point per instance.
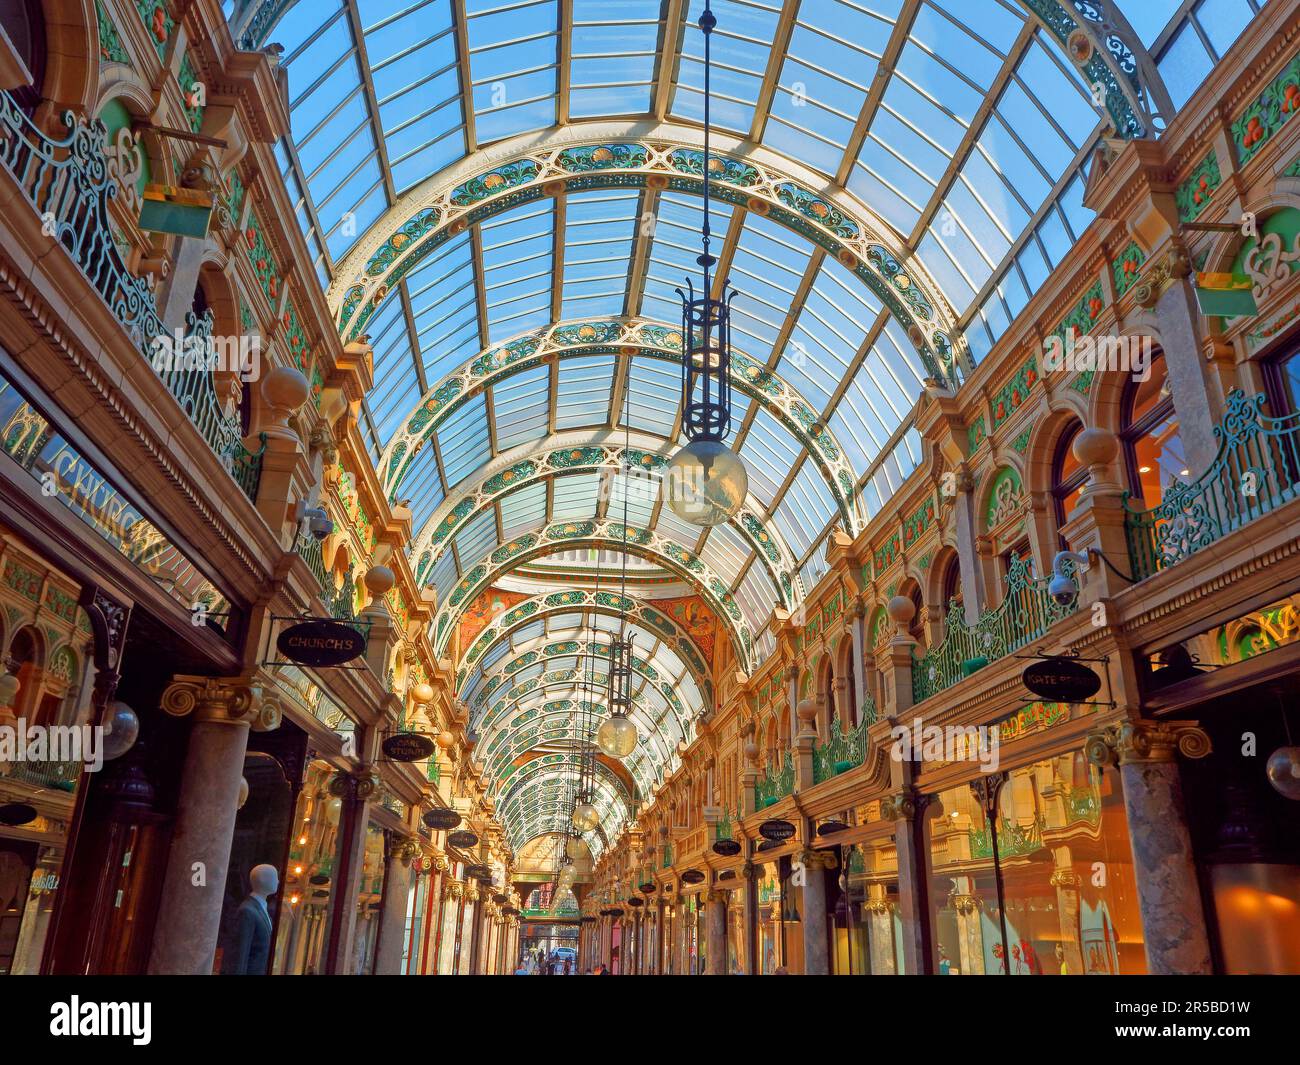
(1146, 742)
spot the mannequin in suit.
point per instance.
(253, 933)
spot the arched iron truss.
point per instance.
(596, 533)
(571, 454)
(626, 336)
(609, 603)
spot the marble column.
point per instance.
(194, 885)
(1169, 897)
(715, 923)
(392, 921)
(1196, 397)
(880, 932)
(816, 935)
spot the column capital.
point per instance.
(1149, 742)
(899, 807)
(231, 701)
(404, 850)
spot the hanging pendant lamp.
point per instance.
(707, 481)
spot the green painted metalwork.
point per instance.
(1013, 839)
(1084, 804)
(844, 750)
(775, 784)
(1024, 615)
(668, 855)
(1256, 470)
(69, 184)
(722, 830)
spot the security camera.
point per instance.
(1062, 587)
(319, 524)
(1062, 590)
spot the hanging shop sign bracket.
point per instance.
(1065, 678)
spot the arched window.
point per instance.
(24, 24)
(916, 627)
(1069, 476)
(951, 587)
(1153, 451)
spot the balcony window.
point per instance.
(1153, 451)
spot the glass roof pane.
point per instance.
(477, 537)
(834, 52)
(520, 405)
(413, 61)
(651, 380)
(599, 228)
(517, 269)
(575, 496)
(741, 46)
(726, 552)
(673, 250)
(513, 54)
(422, 486)
(523, 510)
(805, 509)
(463, 440)
(582, 394)
(770, 452)
(766, 270)
(613, 50)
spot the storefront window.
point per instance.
(846, 895)
(780, 928)
(736, 960)
(1045, 887)
(309, 879)
(370, 898)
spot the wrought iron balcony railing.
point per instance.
(1024, 615)
(59, 776)
(69, 184)
(844, 750)
(1256, 470)
(775, 784)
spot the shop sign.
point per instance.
(66, 475)
(1061, 680)
(692, 876)
(407, 746)
(728, 848)
(17, 813)
(462, 839)
(829, 828)
(776, 831)
(321, 642)
(441, 819)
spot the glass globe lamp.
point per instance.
(121, 729)
(585, 817)
(707, 483)
(617, 736)
(1283, 771)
